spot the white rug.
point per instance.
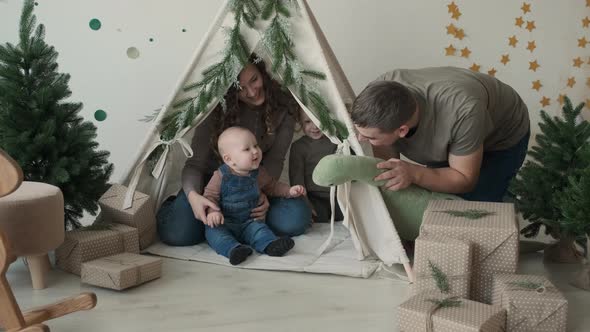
(340, 257)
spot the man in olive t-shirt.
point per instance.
(469, 130)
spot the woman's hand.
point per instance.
(199, 204)
(259, 212)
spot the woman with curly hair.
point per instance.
(259, 104)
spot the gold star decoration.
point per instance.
(588, 103)
(578, 62)
(560, 99)
(451, 29)
(537, 85)
(475, 67)
(456, 14)
(492, 72)
(526, 7)
(459, 34)
(465, 52)
(531, 46)
(582, 42)
(587, 3)
(545, 101)
(588, 81)
(533, 65)
(505, 59)
(586, 22)
(452, 7)
(512, 41)
(450, 50)
(588, 61)
(571, 82)
(530, 26)
(519, 21)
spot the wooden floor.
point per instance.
(193, 296)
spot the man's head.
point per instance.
(381, 112)
(239, 150)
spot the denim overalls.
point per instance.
(238, 196)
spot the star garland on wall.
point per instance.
(523, 22)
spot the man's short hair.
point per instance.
(386, 105)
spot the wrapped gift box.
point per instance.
(141, 214)
(532, 303)
(451, 256)
(419, 314)
(492, 230)
(121, 271)
(83, 245)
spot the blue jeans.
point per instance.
(177, 225)
(224, 238)
(498, 168)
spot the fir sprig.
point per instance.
(442, 282)
(526, 284)
(469, 213)
(446, 302)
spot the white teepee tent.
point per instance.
(365, 214)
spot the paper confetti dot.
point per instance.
(100, 115)
(183, 30)
(132, 53)
(151, 39)
(95, 24)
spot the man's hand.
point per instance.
(259, 212)
(297, 191)
(199, 205)
(399, 174)
(214, 219)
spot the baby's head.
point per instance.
(309, 128)
(239, 150)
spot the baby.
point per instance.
(305, 154)
(236, 187)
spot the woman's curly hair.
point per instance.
(275, 99)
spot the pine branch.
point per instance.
(314, 74)
(469, 214)
(442, 282)
(446, 302)
(526, 284)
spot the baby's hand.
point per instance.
(297, 191)
(214, 219)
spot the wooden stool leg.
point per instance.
(38, 266)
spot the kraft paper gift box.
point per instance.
(451, 256)
(121, 271)
(420, 314)
(140, 215)
(82, 245)
(532, 303)
(494, 237)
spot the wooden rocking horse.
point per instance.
(12, 319)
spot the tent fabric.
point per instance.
(371, 229)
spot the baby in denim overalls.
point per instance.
(236, 187)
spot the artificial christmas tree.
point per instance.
(559, 158)
(44, 134)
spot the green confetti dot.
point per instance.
(100, 115)
(183, 30)
(36, 4)
(132, 53)
(151, 39)
(95, 24)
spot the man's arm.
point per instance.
(460, 177)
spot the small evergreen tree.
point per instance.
(558, 161)
(41, 131)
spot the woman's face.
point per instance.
(251, 90)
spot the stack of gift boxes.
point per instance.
(107, 253)
(464, 264)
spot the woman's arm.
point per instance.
(196, 166)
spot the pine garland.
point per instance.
(217, 77)
(469, 213)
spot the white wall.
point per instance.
(369, 37)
